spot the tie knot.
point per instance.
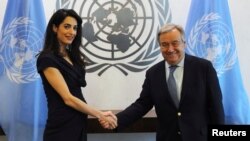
(172, 68)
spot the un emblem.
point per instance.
(19, 42)
(120, 33)
(213, 40)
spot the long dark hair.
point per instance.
(51, 43)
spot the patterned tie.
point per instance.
(172, 85)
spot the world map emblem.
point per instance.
(120, 33)
(20, 41)
(212, 39)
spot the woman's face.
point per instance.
(66, 31)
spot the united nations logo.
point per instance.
(120, 33)
(19, 42)
(213, 40)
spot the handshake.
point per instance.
(108, 120)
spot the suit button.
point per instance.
(179, 114)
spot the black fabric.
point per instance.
(64, 123)
(200, 103)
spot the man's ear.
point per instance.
(54, 28)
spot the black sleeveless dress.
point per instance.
(63, 123)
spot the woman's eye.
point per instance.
(66, 26)
(75, 28)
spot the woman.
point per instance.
(61, 67)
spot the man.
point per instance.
(196, 102)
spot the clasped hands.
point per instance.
(108, 120)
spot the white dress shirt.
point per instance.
(178, 75)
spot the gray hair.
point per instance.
(169, 27)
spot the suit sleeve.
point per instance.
(137, 109)
(215, 105)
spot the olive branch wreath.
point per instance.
(9, 28)
(144, 59)
(194, 36)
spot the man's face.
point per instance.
(172, 46)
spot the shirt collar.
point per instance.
(180, 64)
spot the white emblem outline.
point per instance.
(14, 76)
(192, 40)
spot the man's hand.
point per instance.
(110, 120)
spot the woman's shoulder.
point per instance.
(47, 57)
(45, 60)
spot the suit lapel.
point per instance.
(161, 77)
(187, 76)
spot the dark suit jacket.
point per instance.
(200, 103)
